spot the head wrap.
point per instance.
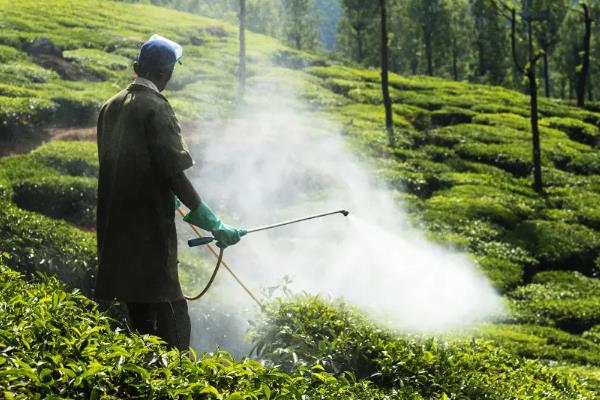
(159, 53)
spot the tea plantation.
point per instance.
(461, 168)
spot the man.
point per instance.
(142, 158)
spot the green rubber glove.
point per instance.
(204, 218)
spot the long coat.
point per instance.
(139, 147)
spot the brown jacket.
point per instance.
(140, 147)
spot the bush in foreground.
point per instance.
(56, 344)
(309, 330)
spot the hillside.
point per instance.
(461, 169)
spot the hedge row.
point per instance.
(309, 330)
(57, 344)
(568, 300)
(38, 243)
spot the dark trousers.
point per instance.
(169, 321)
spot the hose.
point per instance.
(220, 262)
(211, 280)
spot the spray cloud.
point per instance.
(277, 160)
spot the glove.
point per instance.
(204, 218)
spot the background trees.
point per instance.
(453, 39)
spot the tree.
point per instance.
(433, 18)
(581, 73)
(529, 70)
(460, 30)
(356, 27)
(490, 43)
(550, 14)
(299, 25)
(330, 12)
(242, 76)
(387, 102)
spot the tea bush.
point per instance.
(479, 202)
(542, 343)
(38, 243)
(577, 130)
(70, 198)
(558, 245)
(568, 300)
(72, 158)
(57, 344)
(593, 334)
(309, 330)
(57, 180)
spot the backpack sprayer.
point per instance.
(205, 240)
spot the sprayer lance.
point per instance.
(205, 240)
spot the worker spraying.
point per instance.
(142, 162)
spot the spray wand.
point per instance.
(200, 240)
(205, 240)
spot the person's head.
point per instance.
(157, 60)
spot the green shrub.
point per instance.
(593, 334)
(512, 121)
(309, 330)
(514, 158)
(558, 245)
(22, 72)
(60, 346)
(576, 205)
(586, 163)
(577, 130)
(568, 299)
(542, 343)
(451, 116)
(70, 198)
(503, 274)
(8, 53)
(38, 243)
(72, 158)
(479, 202)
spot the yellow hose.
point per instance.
(220, 262)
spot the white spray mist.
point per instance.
(278, 161)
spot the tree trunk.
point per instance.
(590, 91)
(428, 52)
(531, 76)
(571, 86)
(242, 71)
(359, 45)
(481, 70)
(387, 102)
(454, 59)
(582, 74)
(547, 87)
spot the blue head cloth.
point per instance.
(159, 53)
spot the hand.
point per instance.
(226, 235)
(204, 218)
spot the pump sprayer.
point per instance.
(203, 240)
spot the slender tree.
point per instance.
(529, 71)
(387, 102)
(550, 15)
(358, 21)
(242, 76)
(299, 25)
(433, 19)
(581, 73)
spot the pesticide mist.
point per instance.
(277, 160)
